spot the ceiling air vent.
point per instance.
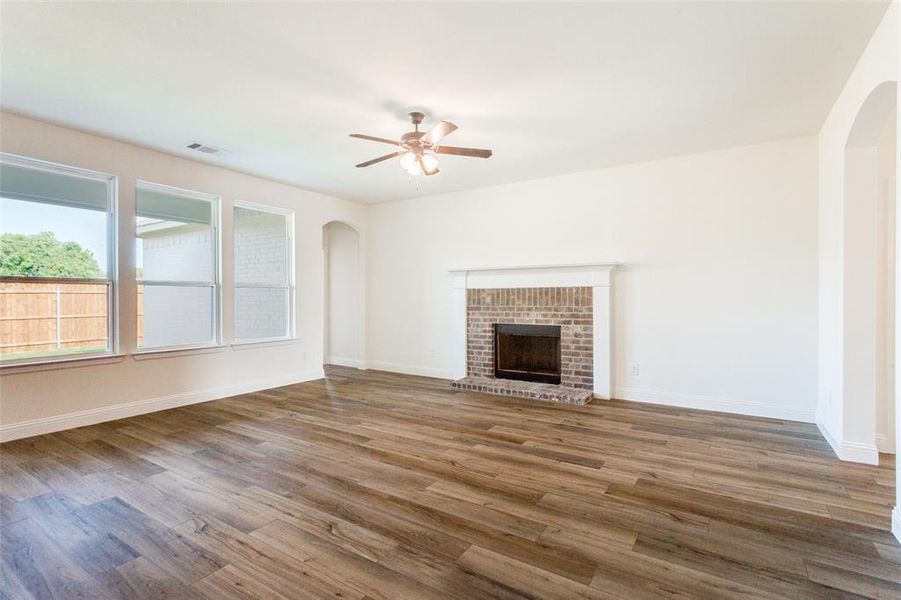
(206, 148)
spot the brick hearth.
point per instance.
(524, 389)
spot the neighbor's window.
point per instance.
(264, 290)
(177, 267)
(57, 261)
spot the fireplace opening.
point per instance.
(527, 352)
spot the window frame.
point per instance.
(289, 286)
(112, 260)
(215, 201)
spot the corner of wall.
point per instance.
(94, 416)
(828, 435)
(896, 522)
(848, 451)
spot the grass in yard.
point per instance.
(51, 353)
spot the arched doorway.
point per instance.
(343, 341)
(870, 165)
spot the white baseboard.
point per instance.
(896, 522)
(850, 451)
(15, 431)
(884, 444)
(830, 438)
(409, 369)
(345, 362)
(859, 452)
(753, 409)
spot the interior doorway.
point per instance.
(343, 341)
(870, 278)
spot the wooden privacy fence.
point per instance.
(47, 317)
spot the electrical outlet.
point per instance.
(635, 369)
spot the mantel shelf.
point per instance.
(587, 265)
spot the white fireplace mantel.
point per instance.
(597, 276)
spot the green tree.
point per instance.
(42, 255)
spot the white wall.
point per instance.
(716, 302)
(37, 401)
(860, 298)
(342, 256)
(846, 238)
(885, 292)
(842, 237)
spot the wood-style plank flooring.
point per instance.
(372, 485)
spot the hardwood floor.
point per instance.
(371, 485)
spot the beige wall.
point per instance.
(844, 237)
(885, 280)
(845, 415)
(716, 301)
(30, 401)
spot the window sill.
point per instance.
(60, 363)
(154, 353)
(250, 344)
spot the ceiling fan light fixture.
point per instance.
(430, 162)
(410, 164)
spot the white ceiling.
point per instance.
(552, 88)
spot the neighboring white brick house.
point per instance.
(175, 316)
(261, 253)
(182, 315)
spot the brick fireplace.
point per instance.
(573, 298)
(568, 308)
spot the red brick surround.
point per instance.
(570, 307)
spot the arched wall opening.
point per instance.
(869, 278)
(343, 341)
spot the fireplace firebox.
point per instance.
(527, 352)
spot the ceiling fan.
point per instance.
(419, 148)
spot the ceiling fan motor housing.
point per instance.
(411, 139)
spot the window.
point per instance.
(264, 272)
(177, 258)
(57, 261)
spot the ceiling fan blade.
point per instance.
(476, 152)
(434, 135)
(379, 159)
(423, 167)
(372, 138)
